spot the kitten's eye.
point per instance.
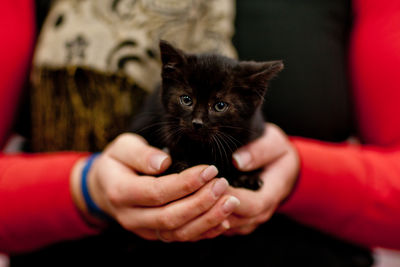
(221, 106)
(186, 100)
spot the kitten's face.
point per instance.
(210, 96)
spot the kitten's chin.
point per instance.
(199, 136)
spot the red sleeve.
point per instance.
(353, 191)
(350, 191)
(17, 31)
(36, 206)
(36, 203)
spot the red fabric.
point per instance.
(349, 191)
(354, 191)
(36, 207)
(17, 31)
(36, 203)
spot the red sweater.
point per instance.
(36, 206)
(351, 191)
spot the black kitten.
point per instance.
(207, 107)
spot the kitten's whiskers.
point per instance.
(222, 148)
(242, 129)
(153, 125)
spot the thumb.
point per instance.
(133, 151)
(262, 151)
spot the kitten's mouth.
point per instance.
(199, 135)
(196, 132)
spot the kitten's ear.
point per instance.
(258, 74)
(171, 57)
(262, 72)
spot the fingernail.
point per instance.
(209, 173)
(230, 204)
(157, 160)
(219, 187)
(225, 224)
(242, 158)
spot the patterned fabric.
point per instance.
(96, 60)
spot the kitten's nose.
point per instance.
(197, 123)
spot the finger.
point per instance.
(252, 203)
(214, 232)
(279, 179)
(244, 230)
(133, 190)
(145, 233)
(175, 214)
(135, 152)
(261, 151)
(242, 225)
(212, 218)
(238, 221)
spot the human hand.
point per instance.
(168, 206)
(280, 162)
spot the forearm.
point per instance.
(350, 191)
(37, 205)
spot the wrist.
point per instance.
(77, 194)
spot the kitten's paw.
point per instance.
(248, 180)
(178, 167)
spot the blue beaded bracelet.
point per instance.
(91, 206)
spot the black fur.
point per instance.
(207, 106)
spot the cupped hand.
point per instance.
(188, 206)
(279, 160)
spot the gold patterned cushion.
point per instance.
(96, 59)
